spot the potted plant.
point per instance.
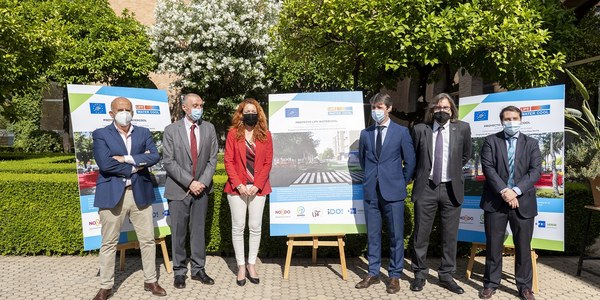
(583, 156)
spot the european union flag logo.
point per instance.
(541, 224)
(481, 115)
(98, 108)
(292, 112)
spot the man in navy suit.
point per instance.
(387, 157)
(123, 153)
(512, 164)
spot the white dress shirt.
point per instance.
(445, 150)
(126, 136)
(386, 125)
(189, 124)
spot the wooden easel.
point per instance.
(507, 250)
(136, 245)
(315, 243)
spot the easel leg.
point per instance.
(340, 240)
(314, 249)
(288, 258)
(474, 248)
(535, 273)
(165, 253)
(122, 260)
(583, 242)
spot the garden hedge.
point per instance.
(41, 215)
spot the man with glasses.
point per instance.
(442, 146)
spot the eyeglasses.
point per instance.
(441, 108)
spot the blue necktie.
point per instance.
(439, 157)
(378, 141)
(511, 161)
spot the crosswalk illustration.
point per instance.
(329, 177)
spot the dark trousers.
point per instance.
(189, 211)
(436, 197)
(495, 228)
(394, 215)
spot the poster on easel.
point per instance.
(316, 176)
(90, 105)
(542, 119)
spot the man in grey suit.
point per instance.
(512, 164)
(190, 159)
(443, 147)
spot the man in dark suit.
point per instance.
(190, 159)
(512, 164)
(387, 157)
(123, 153)
(443, 147)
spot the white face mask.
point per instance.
(378, 115)
(511, 127)
(123, 118)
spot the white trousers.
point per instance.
(238, 205)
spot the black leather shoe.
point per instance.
(417, 284)
(367, 281)
(452, 286)
(252, 279)
(241, 282)
(393, 286)
(179, 282)
(202, 277)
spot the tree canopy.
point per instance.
(217, 48)
(367, 44)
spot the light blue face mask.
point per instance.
(511, 127)
(196, 114)
(378, 115)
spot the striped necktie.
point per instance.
(511, 161)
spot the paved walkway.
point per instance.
(74, 277)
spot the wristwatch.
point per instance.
(239, 186)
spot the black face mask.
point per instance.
(250, 119)
(441, 117)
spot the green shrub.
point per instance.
(38, 163)
(40, 214)
(41, 141)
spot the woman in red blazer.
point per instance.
(248, 160)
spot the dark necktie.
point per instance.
(511, 161)
(439, 157)
(378, 141)
(193, 149)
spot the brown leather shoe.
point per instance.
(394, 286)
(526, 294)
(103, 294)
(487, 293)
(367, 281)
(155, 288)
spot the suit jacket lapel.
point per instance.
(184, 137)
(429, 141)
(502, 141)
(388, 136)
(520, 149)
(117, 136)
(452, 137)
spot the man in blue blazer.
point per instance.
(387, 157)
(123, 153)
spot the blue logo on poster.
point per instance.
(481, 115)
(541, 224)
(352, 210)
(292, 112)
(98, 108)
